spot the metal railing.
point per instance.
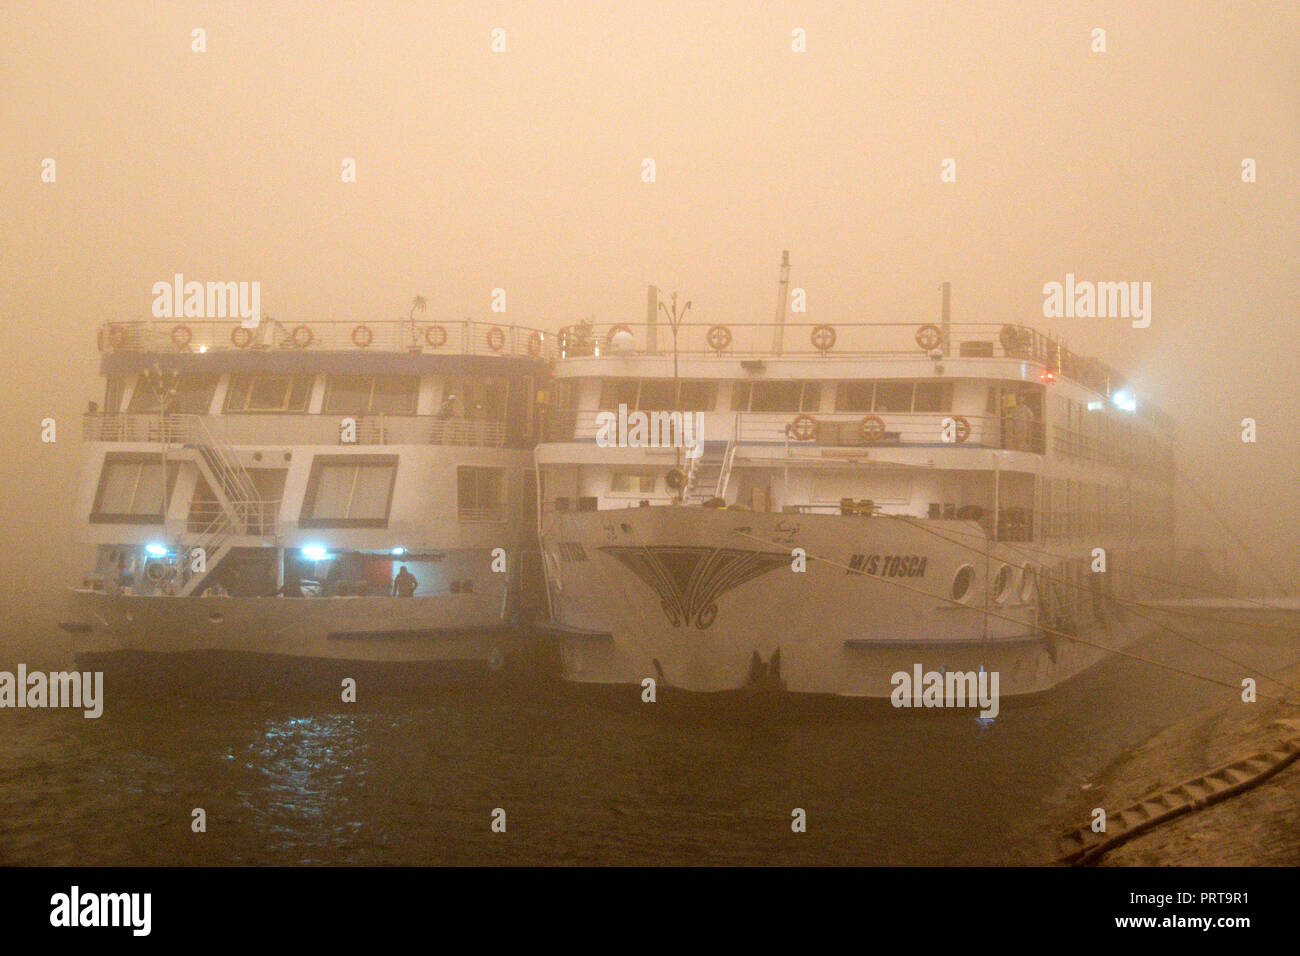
(837, 429)
(291, 429)
(461, 337)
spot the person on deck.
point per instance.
(404, 584)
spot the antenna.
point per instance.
(783, 289)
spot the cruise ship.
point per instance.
(817, 507)
(325, 499)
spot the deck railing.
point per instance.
(461, 337)
(299, 429)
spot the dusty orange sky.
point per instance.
(522, 170)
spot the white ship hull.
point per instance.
(688, 596)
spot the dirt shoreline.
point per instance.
(1260, 827)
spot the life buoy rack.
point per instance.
(535, 343)
(362, 336)
(718, 337)
(302, 336)
(496, 339)
(823, 338)
(929, 337)
(803, 428)
(609, 336)
(240, 337)
(181, 337)
(435, 335)
(961, 427)
(872, 428)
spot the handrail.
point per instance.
(453, 337)
(293, 429)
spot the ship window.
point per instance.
(371, 394)
(478, 399)
(1026, 582)
(479, 493)
(1002, 584)
(893, 397)
(353, 491)
(618, 391)
(656, 394)
(133, 489)
(854, 396)
(192, 396)
(776, 396)
(962, 581)
(932, 397)
(632, 482)
(698, 396)
(268, 393)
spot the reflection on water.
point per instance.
(400, 781)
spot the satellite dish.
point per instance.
(621, 342)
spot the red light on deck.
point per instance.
(1048, 375)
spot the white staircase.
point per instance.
(240, 511)
(707, 474)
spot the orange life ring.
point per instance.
(240, 337)
(302, 336)
(873, 429)
(609, 336)
(929, 337)
(803, 428)
(1009, 338)
(362, 336)
(718, 337)
(181, 337)
(823, 338)
(496, 339)
(535, 343)
(116, 336)
(435, 335)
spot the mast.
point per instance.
(783, 289)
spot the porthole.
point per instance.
(961, 582)
(1027, 582)
(1002, 584)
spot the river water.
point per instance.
(580, 780)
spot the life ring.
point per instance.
(929, 337)
(675, 479)
(1009, 338)
(803, 428)
(155, 571)
(435, 335)
(823, 338)
(116, 336)
(181, 337)
(873, 429)
(240, 337)
(362, 336)
(718, 337)
(535, 343)
(609, 336)
(302, 336)
(496, 339)
(962, 425)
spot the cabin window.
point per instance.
(371, 394)
(480, 493)
(776, 396)
(932, 397)
(133, 489)
(268, 393)
(657, 395)
(893, 397)
(193, 395)
(618, 391)
(854, 396)
(475, 398)
(632, 483)
(695, 396)
(349, 491)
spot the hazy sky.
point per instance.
(522, 170)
